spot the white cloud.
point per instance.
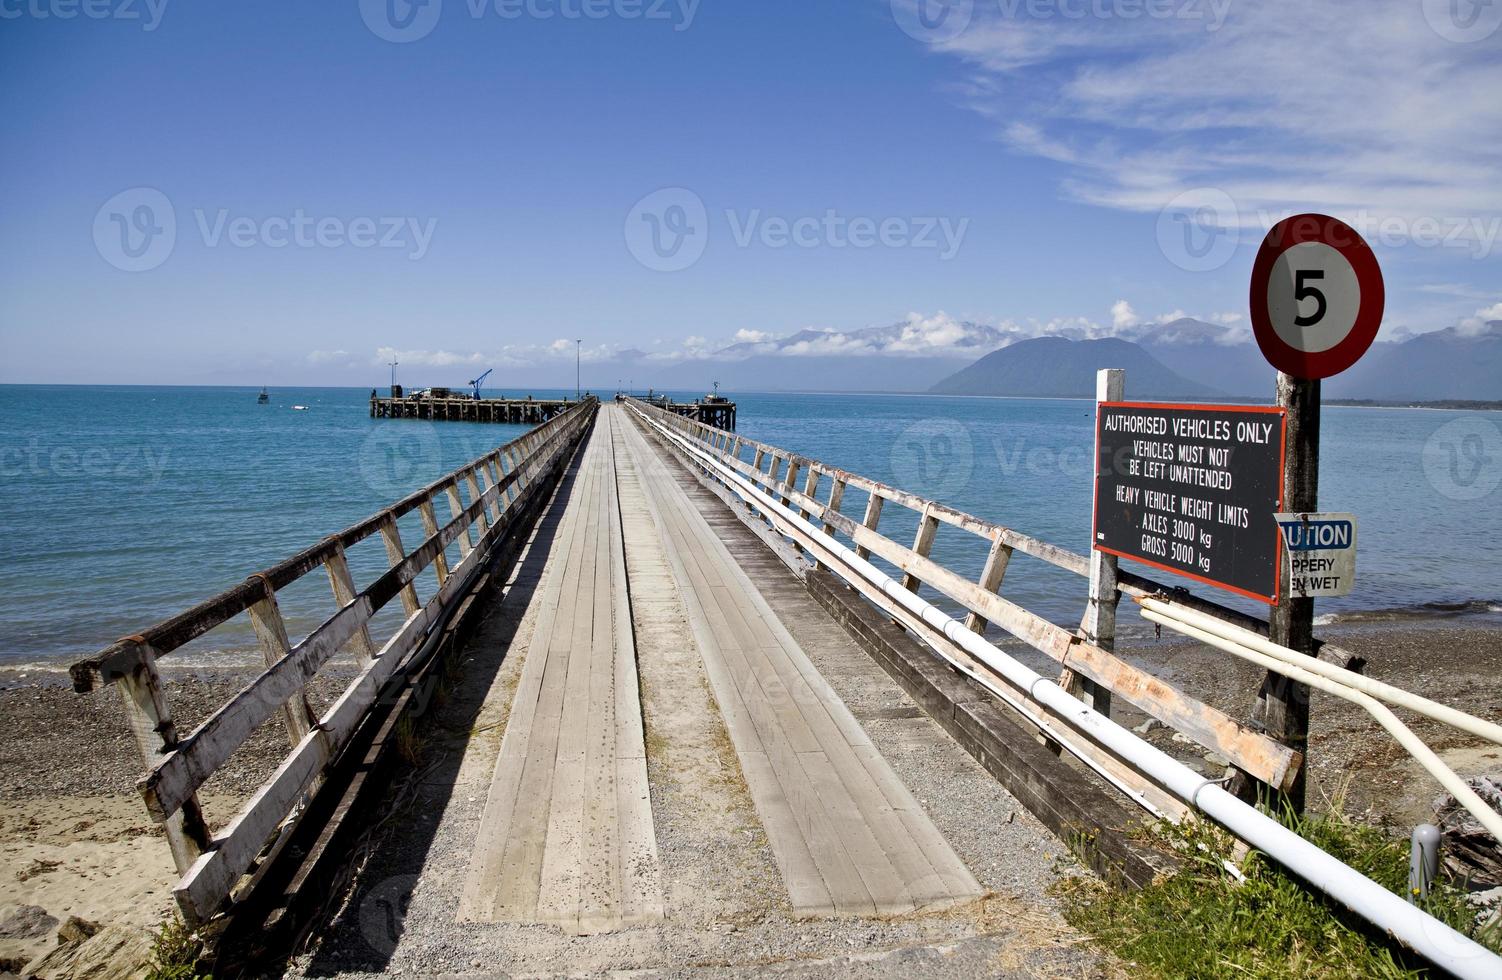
(425, 358)
(920, 334)
(1473, 325)
(916, 335)
(1360, 110)
(1454, 289)
(327, 356)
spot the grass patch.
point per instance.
(174, 953)
(1201, 922)
(409, 742)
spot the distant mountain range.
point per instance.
(1444, 364)
(1182, 358)
(1054, 367)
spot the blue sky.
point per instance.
(472, 193)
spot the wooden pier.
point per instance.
(662, 544)
(448, 407)
(459, 408)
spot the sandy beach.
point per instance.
(75, 839)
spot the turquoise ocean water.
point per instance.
(125, 505)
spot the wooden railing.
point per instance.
(482, 498)
(796, 480)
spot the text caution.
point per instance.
(1321, 551)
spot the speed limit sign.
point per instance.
(1316, 296)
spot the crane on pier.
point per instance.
(476, 382)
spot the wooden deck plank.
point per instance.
(819, 713)
(567, 835)
(720, 641)
(522, 865)
(838, 818)
(481, 893)
(563, 852)
(783, 797)
(638, 867)
(599, 897)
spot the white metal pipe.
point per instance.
(990, 683)
(1464, 795)
(1479, 727)
(1437, 942)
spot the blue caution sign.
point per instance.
(1321, 550)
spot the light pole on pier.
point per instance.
(393, 377)
(578, 353)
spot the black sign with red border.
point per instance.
(1192, 490)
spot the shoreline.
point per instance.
(52, 669)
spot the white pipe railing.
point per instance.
(1411, 743)
(1479, 727)
(1437, 942)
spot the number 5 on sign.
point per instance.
(1316, 296)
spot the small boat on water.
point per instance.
(263, 398)
(299, 408)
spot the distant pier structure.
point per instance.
(446, 405)
(715, 410)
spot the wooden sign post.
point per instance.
(1283, 704)
(1316, 301)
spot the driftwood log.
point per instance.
(1469, 853)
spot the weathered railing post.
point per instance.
(836, 497)
(810, 489)
(150, 719)
(456, 509)
(430, 528)
(482, 519)
(271, 630)
(872, 518)
(395, 554)
(487, 483)
(517, 485)
(789, 481)
(1099, 626)
(343, 584)
(923, 542)
(991, 575)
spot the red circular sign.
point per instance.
(1316, 296)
